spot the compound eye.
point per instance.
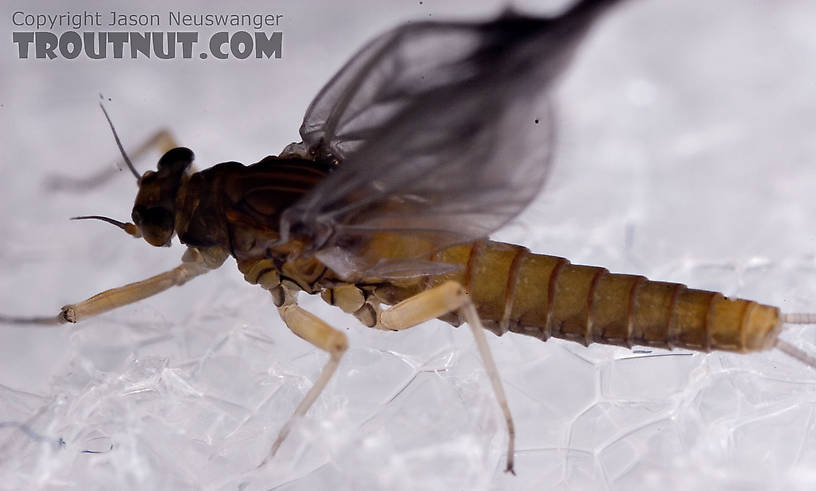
(176, 160)
(156, 224)
(138, 214)
(160, 217)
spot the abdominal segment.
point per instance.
(547, 296)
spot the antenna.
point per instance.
(118, 141)
(129, 228)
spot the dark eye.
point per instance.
(176, 159)
(138, 214)
(158, 216)
(156, 223)
(155, 216)
(162, 217)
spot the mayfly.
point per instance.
(430, 138)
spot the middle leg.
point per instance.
(312, 329)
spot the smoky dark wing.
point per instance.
(443, 133)
(380, 80)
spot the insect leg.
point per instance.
(312, 329)
(794, 351)
(452, 297)
(162, 140)
(194, 263)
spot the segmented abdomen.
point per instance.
(545, 296)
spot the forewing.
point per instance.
(443, 134)
(379, 81)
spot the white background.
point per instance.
(686, 153)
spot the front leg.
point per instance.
(436, 302)
(194, 263)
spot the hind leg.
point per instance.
(436, 302)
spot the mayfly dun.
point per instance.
(433, 136)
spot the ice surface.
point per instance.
(686, 154)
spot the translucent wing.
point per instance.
(442, 133)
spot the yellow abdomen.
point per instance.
(546, 296)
